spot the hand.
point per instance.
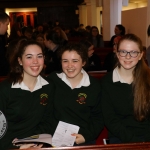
(79, 138)
(24, 146)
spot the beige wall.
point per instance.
(134, 21)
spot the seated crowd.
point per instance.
(49, 81)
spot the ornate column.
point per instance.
(91, 12)
(82, 14)
(111, 17)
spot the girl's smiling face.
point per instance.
(72, 64)
(32, 61)
(127, 62)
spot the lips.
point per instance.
(127, 62)
(36, 68)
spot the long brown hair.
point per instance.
(16, 50)
(141, 82)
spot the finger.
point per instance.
(77, 141)
(74, 134)
(40, 145)
(27, 146)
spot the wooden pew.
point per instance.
(106, 43)
(102, 52)
(97, 74)
(130, 146)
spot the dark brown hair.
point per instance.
(16, 50)
(141, 82)
(121, 28)
(4, 17)
(77, 47)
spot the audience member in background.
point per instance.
(119, 31)
(52, 43)
(126, 94)
(148, 55)
(63, 39)
(76, 96)
(27, 32)
(40, 39)
(95, 38)
(94, 62)
(16, 31)
(39, 30)
(46, 27)
(4, 22)
(87, 31)
(67, 32)
(111, 58)
(74, 31)
(144, 55)
(25, 97)
(81, 30)
(57, 24)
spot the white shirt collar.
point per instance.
(117, 77)
(84, 82)
(40, 82)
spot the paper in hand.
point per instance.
(62, 136)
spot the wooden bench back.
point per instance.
(102, 52)
(131, 146)
(97, 74)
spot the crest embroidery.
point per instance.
(81, 98)
(43, 99)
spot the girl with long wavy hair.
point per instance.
(126, 94)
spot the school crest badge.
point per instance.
(43, 99)
(82, 98)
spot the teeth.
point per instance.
(70, 70)
(34, 68)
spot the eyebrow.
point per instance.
(72, 59)
(32, 54)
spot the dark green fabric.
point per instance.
(67, 108)
(117, 109)
(27, 113)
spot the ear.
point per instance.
(19, 60)
(83, 64)
(117, 54)
(141, 55)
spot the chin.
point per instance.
(129, 67)
(70, 76)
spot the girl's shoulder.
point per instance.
(52, 77)
(5, 85)
(5, 82)
(106, 78)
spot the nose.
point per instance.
(35, 60)
(69, 64)
(128, 55)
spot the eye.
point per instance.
(40, 56)
(123, 51)
(133, 52)
(75, 60)
(28, 57)
(64, 61)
